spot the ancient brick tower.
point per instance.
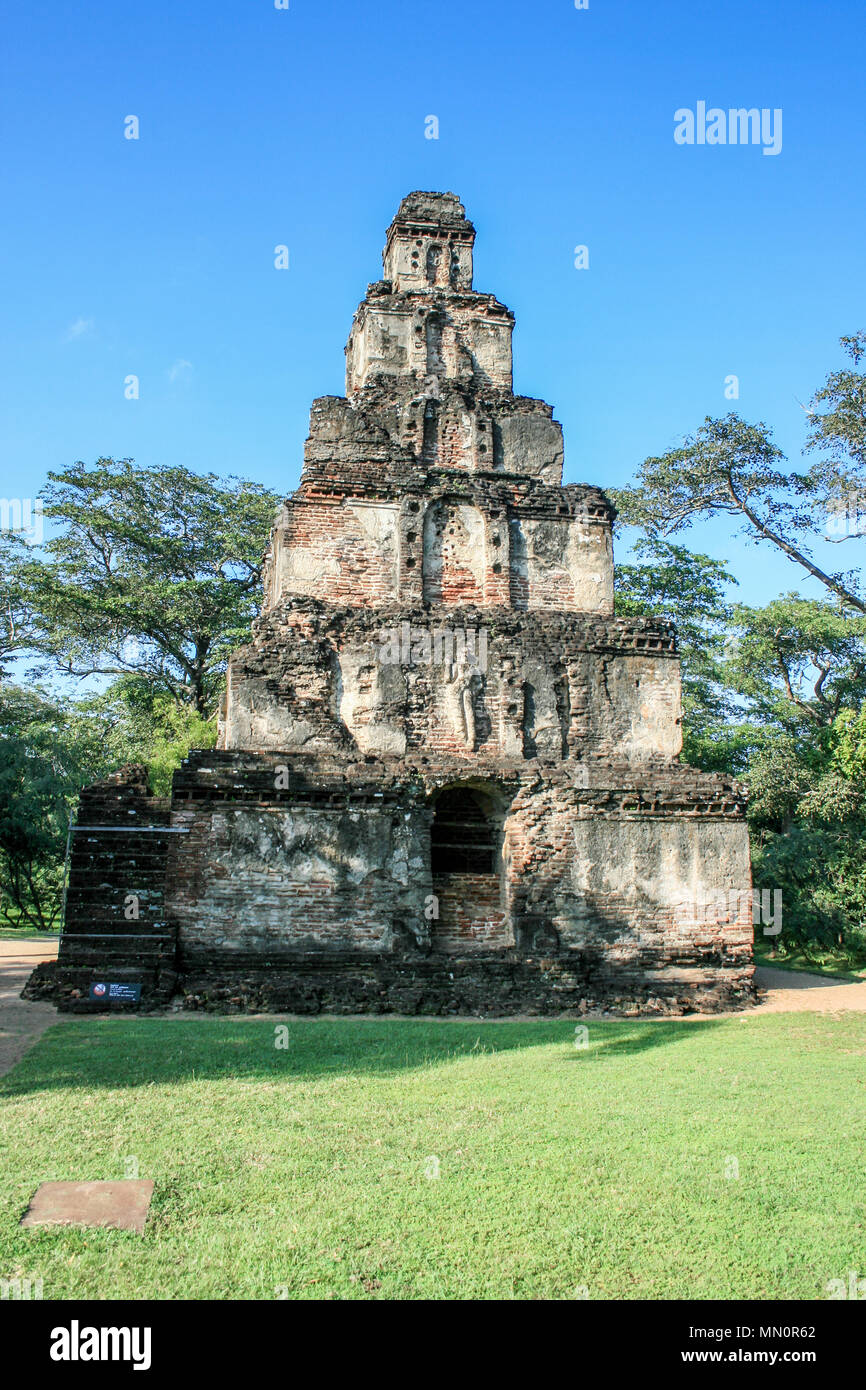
(447, 775)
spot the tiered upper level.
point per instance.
(431, 588)
(430, 482)
(424, 320)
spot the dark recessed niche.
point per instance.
(414, 506)
(411, 536)
(462, 839)
(410, 562)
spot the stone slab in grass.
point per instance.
(121, 1205)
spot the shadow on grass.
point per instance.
(631, 1038)
(128, 1053)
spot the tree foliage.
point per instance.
(14, 626)
(798, 662)
(148, 580)
(774, 694)
(48, 751)
(730, 468)
(673, 583)
(154, 572)
(837, 427)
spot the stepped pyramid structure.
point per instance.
(447, 777)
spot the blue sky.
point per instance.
(306, 126)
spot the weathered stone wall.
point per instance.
(397, 333)
(437, 640)
(591, 868)
(491, 544)
(116, 924)
(390, 680)
(304, 878)
(484, 984)
(281, 880)
(346, 554)
(607, 886)
(560, 564)
(472, 914)
(430, 242)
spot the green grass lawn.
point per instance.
(312, 1171)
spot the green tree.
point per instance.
(672, 583)
(837, 429)
(784, 703)
(48, 751)
(730, 468)
(798, 663)
(798, 666)
(154, 572)
(14, 626)
(143, 724)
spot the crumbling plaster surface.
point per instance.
(309, 879)
(549, 686)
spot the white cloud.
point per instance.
(78, 329)
(179, 369)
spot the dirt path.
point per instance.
(789, 991)
(20, 1021)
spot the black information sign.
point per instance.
(132, 993)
